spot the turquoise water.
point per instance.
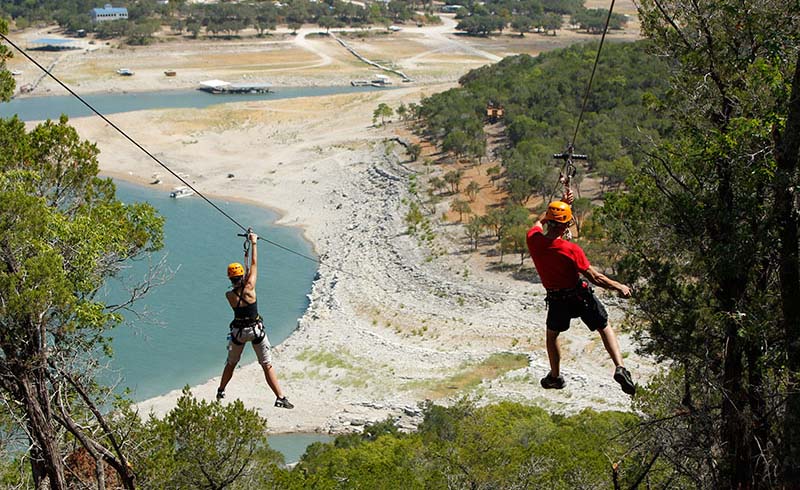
(40, 108)
(292, 446)
(178, 334)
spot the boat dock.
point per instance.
(223, 87)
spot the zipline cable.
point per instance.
(591, 77)
(568, 171)
(162, 164)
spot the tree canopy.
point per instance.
(62, 235)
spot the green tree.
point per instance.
(201, 444)
(521, 24)
(474, 230)
(414, 150)
(382, 111)
(62, 234)
(461, 207)
(457, 142)
(438, 184)
(414, 217)
(707, 230)
(580, 208)
(402, 112)
(513, 240)
(453, 178)
(472, 190)
(493, 173)
(7, 83)
(326, 22)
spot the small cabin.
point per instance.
(494, 112)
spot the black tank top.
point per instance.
(245, 311)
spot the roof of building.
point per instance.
(214, 84)
(108, 9)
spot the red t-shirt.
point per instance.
(558, 261)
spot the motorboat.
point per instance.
(181, 191)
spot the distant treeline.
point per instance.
(545, 16)
(146, 16)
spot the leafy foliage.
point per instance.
(700, 229)
(201, 444)
(62, 234)
(6, 80)
(506, 445)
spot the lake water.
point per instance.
(40, 108)
(176, 335)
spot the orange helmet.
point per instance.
(235, 270)
(558, 211)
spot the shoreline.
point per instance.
(415, 316)
(183, 89)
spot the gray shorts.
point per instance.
(248, 334)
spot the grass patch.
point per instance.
(323, 358)
(322, 365)
(471, 376)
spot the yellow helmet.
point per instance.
(235, 270)
(558, 211)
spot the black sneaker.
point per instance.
(283, 403)
(623, 377)
(552, 383)
(220, 394)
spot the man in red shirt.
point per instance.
(559, 263)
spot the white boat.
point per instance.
(181, 191)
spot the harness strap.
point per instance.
(581, 288)
(239, 323)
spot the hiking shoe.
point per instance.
(220, 394)
(623, 377)
(283, 403)
(550, 382)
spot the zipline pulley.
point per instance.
(246, 246)
(569, 169)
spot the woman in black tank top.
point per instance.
(247, 326)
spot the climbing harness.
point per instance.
(240, 323)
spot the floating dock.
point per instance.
(223, 87)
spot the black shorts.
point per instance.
(582, 304)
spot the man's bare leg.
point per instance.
(611, 344)
(553, 352)
(621, 375)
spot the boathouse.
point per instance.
(223, 87)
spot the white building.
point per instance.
(109, 13)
